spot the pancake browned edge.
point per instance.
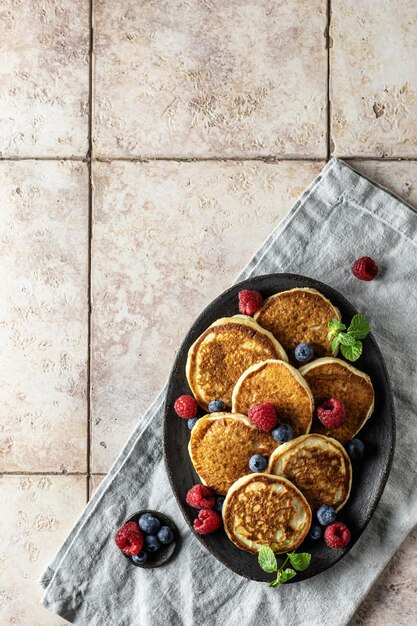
(264, 510)
(319, 466)
(333, 378)
(280, 384)
(221, 445)
(299, 315)
(223, 352)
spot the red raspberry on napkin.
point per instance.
(365, 268)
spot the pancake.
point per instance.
(318, 466)
(298, 316)
(223, 352)
(221, 445)
(334, 378)
(264, 510)
(280, 384)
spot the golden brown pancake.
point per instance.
(299, 316)
(318, 466)
(334, 378)
(264, 510)
(280, 384)
(221, 445)
(223, 352)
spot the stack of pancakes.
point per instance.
(244, 361)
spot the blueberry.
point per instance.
(191, 422)
(219, 503)
(257, 463)
(355, 449)
(282, 433)
(303, 352)
(316, 532)
(165, 534)
(152, 543)
(326, 515)
(149, 524)
(141, 558)
(216, 405)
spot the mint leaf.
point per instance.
(346, 340)
(267, 560)
(336, 325)
(299, 560)
(335, 344)
(352, 353)
(359, 327)
(274, 583)
(285, 575)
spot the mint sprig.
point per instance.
(268, 562)
(350, 341)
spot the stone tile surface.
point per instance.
(43, 316)
(393, 598)
(43, 77)
(167, 238)
(374, 78)
(397, 176)
(38, 512)
(211, 78)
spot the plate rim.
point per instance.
(246, 283)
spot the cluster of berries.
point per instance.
(140, 539)
(264, 417)
(186, 407)
(209, 519)
(336, 534)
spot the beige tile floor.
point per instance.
(177, 135)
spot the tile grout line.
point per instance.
(82, 159)
(242, 159)
(45, 473)
(90, 219)
(329, 112)
(217, 159)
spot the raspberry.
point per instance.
(365, 268)
(201, 497)
(129, 538)
(208, 521)
(337, 535)
(249, 301)
(263, 416)
(186, 407)
(331, 413)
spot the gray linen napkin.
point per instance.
(340, 217)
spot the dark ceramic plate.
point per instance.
(378, 435)
(165, 552)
